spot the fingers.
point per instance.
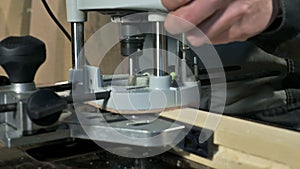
(221, 21)
(197, 39)
(187, 17)
(174, 4)
(222, 38)
(228, 36)
(210, 28)
(225, 23)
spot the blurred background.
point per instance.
(28, 17)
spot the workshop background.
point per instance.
(27, 17)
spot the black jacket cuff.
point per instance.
(288, 26)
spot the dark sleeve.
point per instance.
(282, 29)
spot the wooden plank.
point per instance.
(226, 158)
(267, 142)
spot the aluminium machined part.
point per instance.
(106, 127)
(152, 94)
(148, 100)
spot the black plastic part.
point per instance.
(58, 88)
(88, 97)
(21, 57)
(44, 107)
(4, 81)
(131, 45)
(62, 150)
(192, 144)
(4, 108)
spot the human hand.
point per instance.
(222, 21)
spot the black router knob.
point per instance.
(21, 57)
(4, 81)
(44, 107)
